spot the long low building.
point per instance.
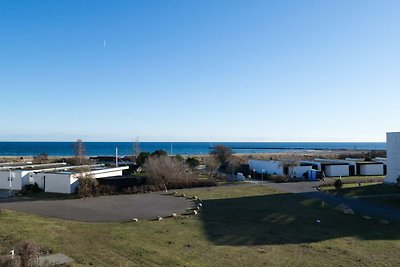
(331, 168)
(273, 167)
(59, 179)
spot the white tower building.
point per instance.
(393, 157)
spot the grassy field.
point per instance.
(355, 179)
(238, 226)
(352, 190)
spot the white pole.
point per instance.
(116, 157)
(9, 181)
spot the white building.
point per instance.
(335, 170)
(59, 179)
(393, 157)
(277, 168)
(370, 168)
(330, 167)
(266, 166)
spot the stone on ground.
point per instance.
(348, 211)
(55, 260)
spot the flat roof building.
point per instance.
(52, 179)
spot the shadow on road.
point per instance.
(284, 219)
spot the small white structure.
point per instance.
(332, 170)
(330, 167)
(299, 171)
(393, 157)
(370, 168)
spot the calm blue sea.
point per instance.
(183, 148)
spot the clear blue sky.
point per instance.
(199, 70)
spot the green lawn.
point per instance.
(239, 226)
(351, 190)
(355, 179)
(374, 193)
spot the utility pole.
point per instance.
(116, 157)
(10, 183)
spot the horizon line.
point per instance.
(132, 141)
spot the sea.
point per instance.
(182, 148)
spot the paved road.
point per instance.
(360, 206)
(105, 209)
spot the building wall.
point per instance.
(59, 183)
(371, 169)
(38, 178)
(315, 165)
(269, 167)
(393, 157)
(299, 171)
(336, 170)
(16, 183)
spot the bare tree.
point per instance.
(163, 170)
(233, 164)
(212, 164)
(79, 150)
(28, 252)
(289, 164)
(222, 153)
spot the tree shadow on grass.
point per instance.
(284, 219)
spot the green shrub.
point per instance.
(88, 187)
(192, 162)
(278, 178)
(338, 184)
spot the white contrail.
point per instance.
(104, 43)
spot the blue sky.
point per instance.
(199, 70)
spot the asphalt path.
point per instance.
(105, 209)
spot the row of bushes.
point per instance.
(176, 185)
(352, 181)
(90, 188)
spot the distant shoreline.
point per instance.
(305, 152)
(65, 149)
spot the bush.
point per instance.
(141, 158)
(31, 188)
(338, 184)
(8, 261)
(278, 178)
(162, 171)
(78, 161)
(134, 190)
(28, 251)
(88, 187)
(159, 153)
(191, 183)
(192, 162)
(106, 190)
